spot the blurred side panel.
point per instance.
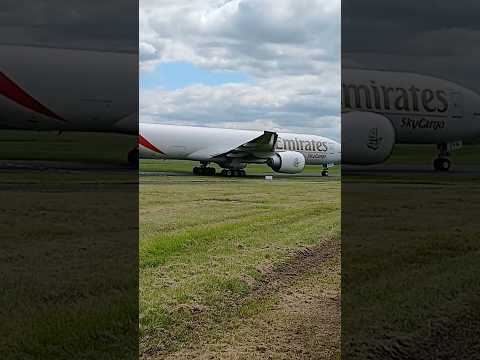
(69, 179)
(410, 190)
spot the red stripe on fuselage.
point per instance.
(144, 142)
(11, 90)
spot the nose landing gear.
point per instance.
(325, 170)
(442, 163)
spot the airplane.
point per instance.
(58, 89)
(384, 108)
(234, 149)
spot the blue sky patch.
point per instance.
(174, 76)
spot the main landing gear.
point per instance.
(233, 172)
(442, 163)
(325, 170)
(204, 171)
(210, 171)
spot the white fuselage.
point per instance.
(422, 109)
(193, 143)
(45, 88)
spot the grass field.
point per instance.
(69, 146)
(68, 265)
(69, 242)
(410, 285)
(238, 268)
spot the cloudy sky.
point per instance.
(89, 24)
(435, 37)
(253, 64)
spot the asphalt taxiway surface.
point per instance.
(255, 175)
(408, 169)
(41, 165)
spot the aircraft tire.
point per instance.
(325, 173)
(442, 164)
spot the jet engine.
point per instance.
(288, 162)
(367, 138)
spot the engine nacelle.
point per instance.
(288, 162)
(367, 138)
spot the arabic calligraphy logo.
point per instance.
(374, 141)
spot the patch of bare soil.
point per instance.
(303, 323)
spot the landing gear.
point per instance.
(325, 170)
(233, 173)
(442, 163)
(133, 158)
(204, 171)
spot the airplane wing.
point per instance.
(261, 147)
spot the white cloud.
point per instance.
(290, 48)
(146, 51)
(255, 36)
(290, 103)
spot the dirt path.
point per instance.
(303, 322)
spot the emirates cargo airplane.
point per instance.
(233, 149)
(44, 88)
(382, 108)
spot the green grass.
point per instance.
(67, 146)
(69, 272)
(416, 274)
(205, 241)
(424, 154)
